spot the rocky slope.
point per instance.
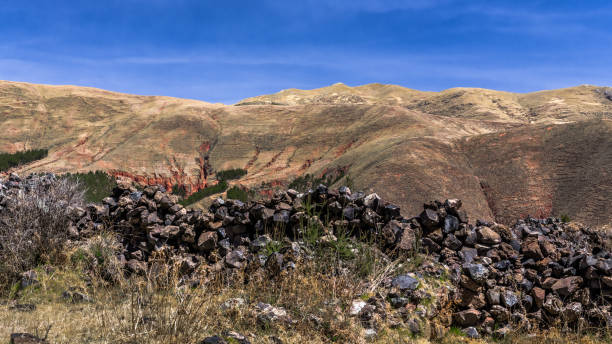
(506, 155)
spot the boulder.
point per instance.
(488, 236)
(207, 241)
(469, 317)
(429, 218)
(531, 248)
(478, 272)
(567, 286)
(405, 283)
(235, 259)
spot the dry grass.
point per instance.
(161, 309)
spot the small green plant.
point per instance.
(235, 173)
(565, 218)
(272, 247)
(9, 160)
(456, 331)
(199, 195)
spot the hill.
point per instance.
(505, 154)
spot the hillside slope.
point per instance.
(506, 155)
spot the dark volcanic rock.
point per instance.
(405, 282)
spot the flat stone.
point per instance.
(572, 311)
(213, 340)
(405, 282)
(407, 241)
(468, 254)
(452, 242)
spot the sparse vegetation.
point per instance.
(565, 218)
(9, 160)
(199, 195)
(97, 185)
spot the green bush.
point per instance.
(237, 193)
(8, 160)
(565, 218)
(235, 173)
(211, 190)
(97, 185)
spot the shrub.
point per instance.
(199, 195)
(97, 185)
(34, 227)
(237, 193)
(8, 160)
(565, 218)
(235, 173)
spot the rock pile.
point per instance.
(534, 273)
(233, 234)
(14, 185)
(540, 271)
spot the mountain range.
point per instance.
(506, 155)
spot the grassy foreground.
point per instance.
(160, 308)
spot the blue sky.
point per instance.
(223, 51)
